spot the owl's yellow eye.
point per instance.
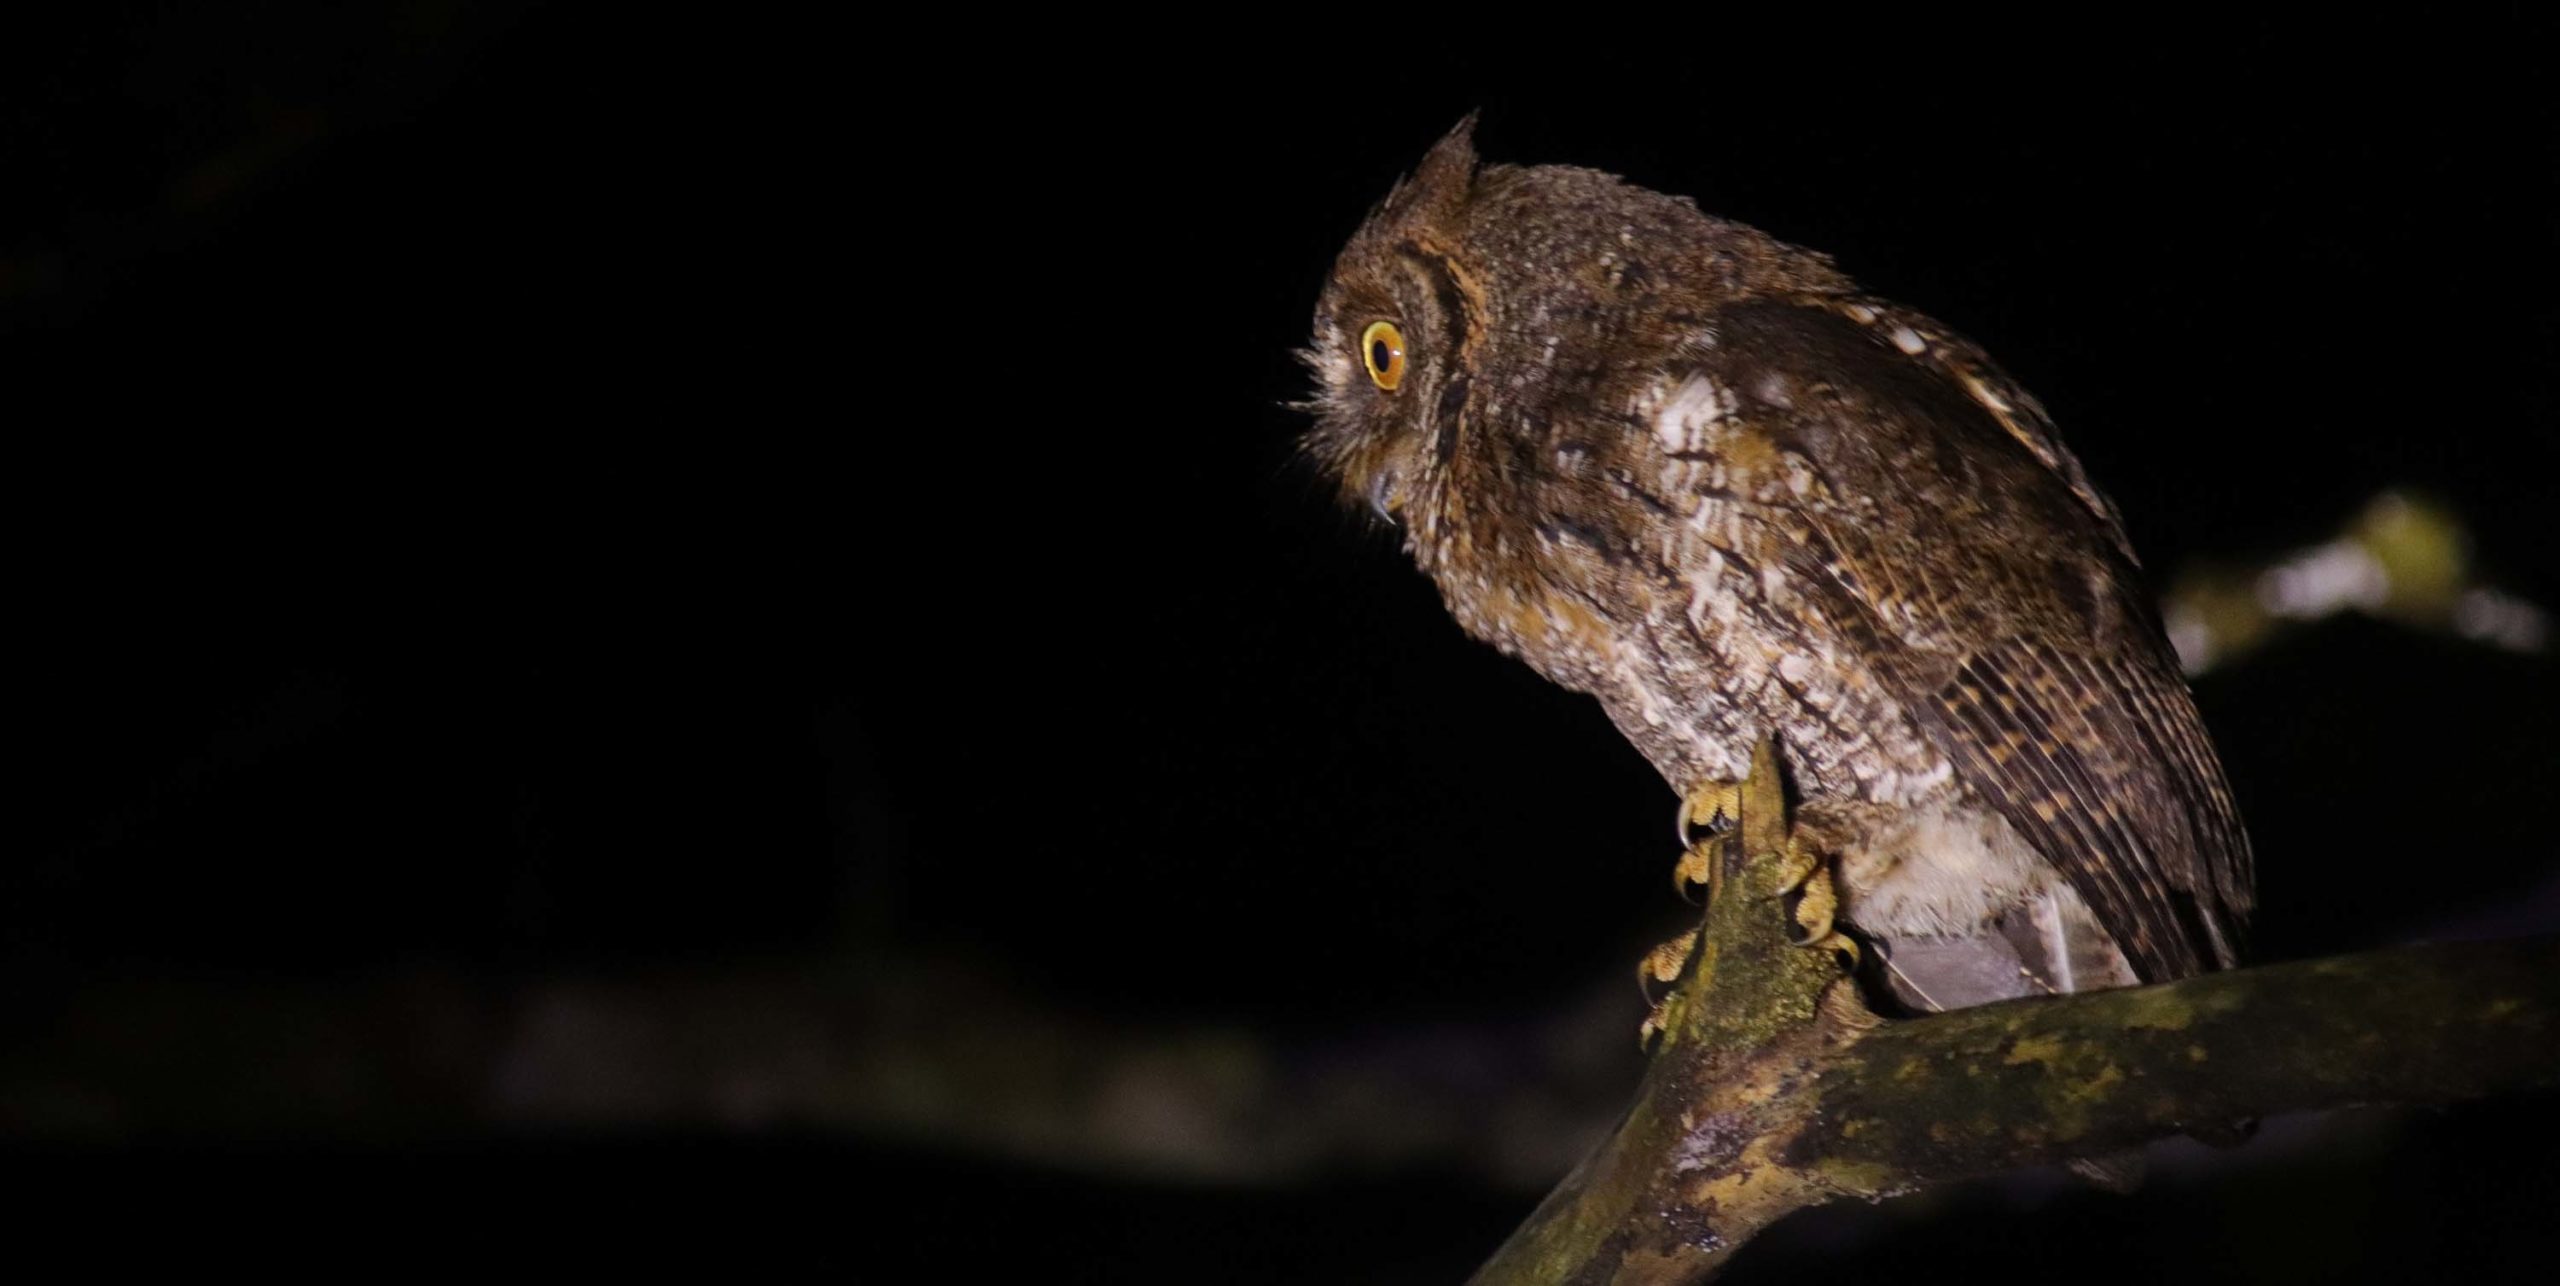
(1382, 347)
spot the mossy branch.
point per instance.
(1775, 1088)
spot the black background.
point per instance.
(507, 492)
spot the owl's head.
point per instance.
(1480, 311)
(1391, 333)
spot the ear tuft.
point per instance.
(1441, 183)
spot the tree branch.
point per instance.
(1776, 1089)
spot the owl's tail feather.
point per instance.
(2051, 944)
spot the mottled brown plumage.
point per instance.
(1677, 464)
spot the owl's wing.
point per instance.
(1950, 537)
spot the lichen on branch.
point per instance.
(1775, 1088)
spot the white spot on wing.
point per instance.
(1684, 417)
(1800, 477)
(1909, 341)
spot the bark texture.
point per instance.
(1775, 1088)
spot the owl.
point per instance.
(1697, 473)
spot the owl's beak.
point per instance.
(1384, 497)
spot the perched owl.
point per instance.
(1693, 471)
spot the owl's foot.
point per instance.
(1773, 844)
(1701, 863)
(1715, 805)
(1812, 899)
(1662, 965)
